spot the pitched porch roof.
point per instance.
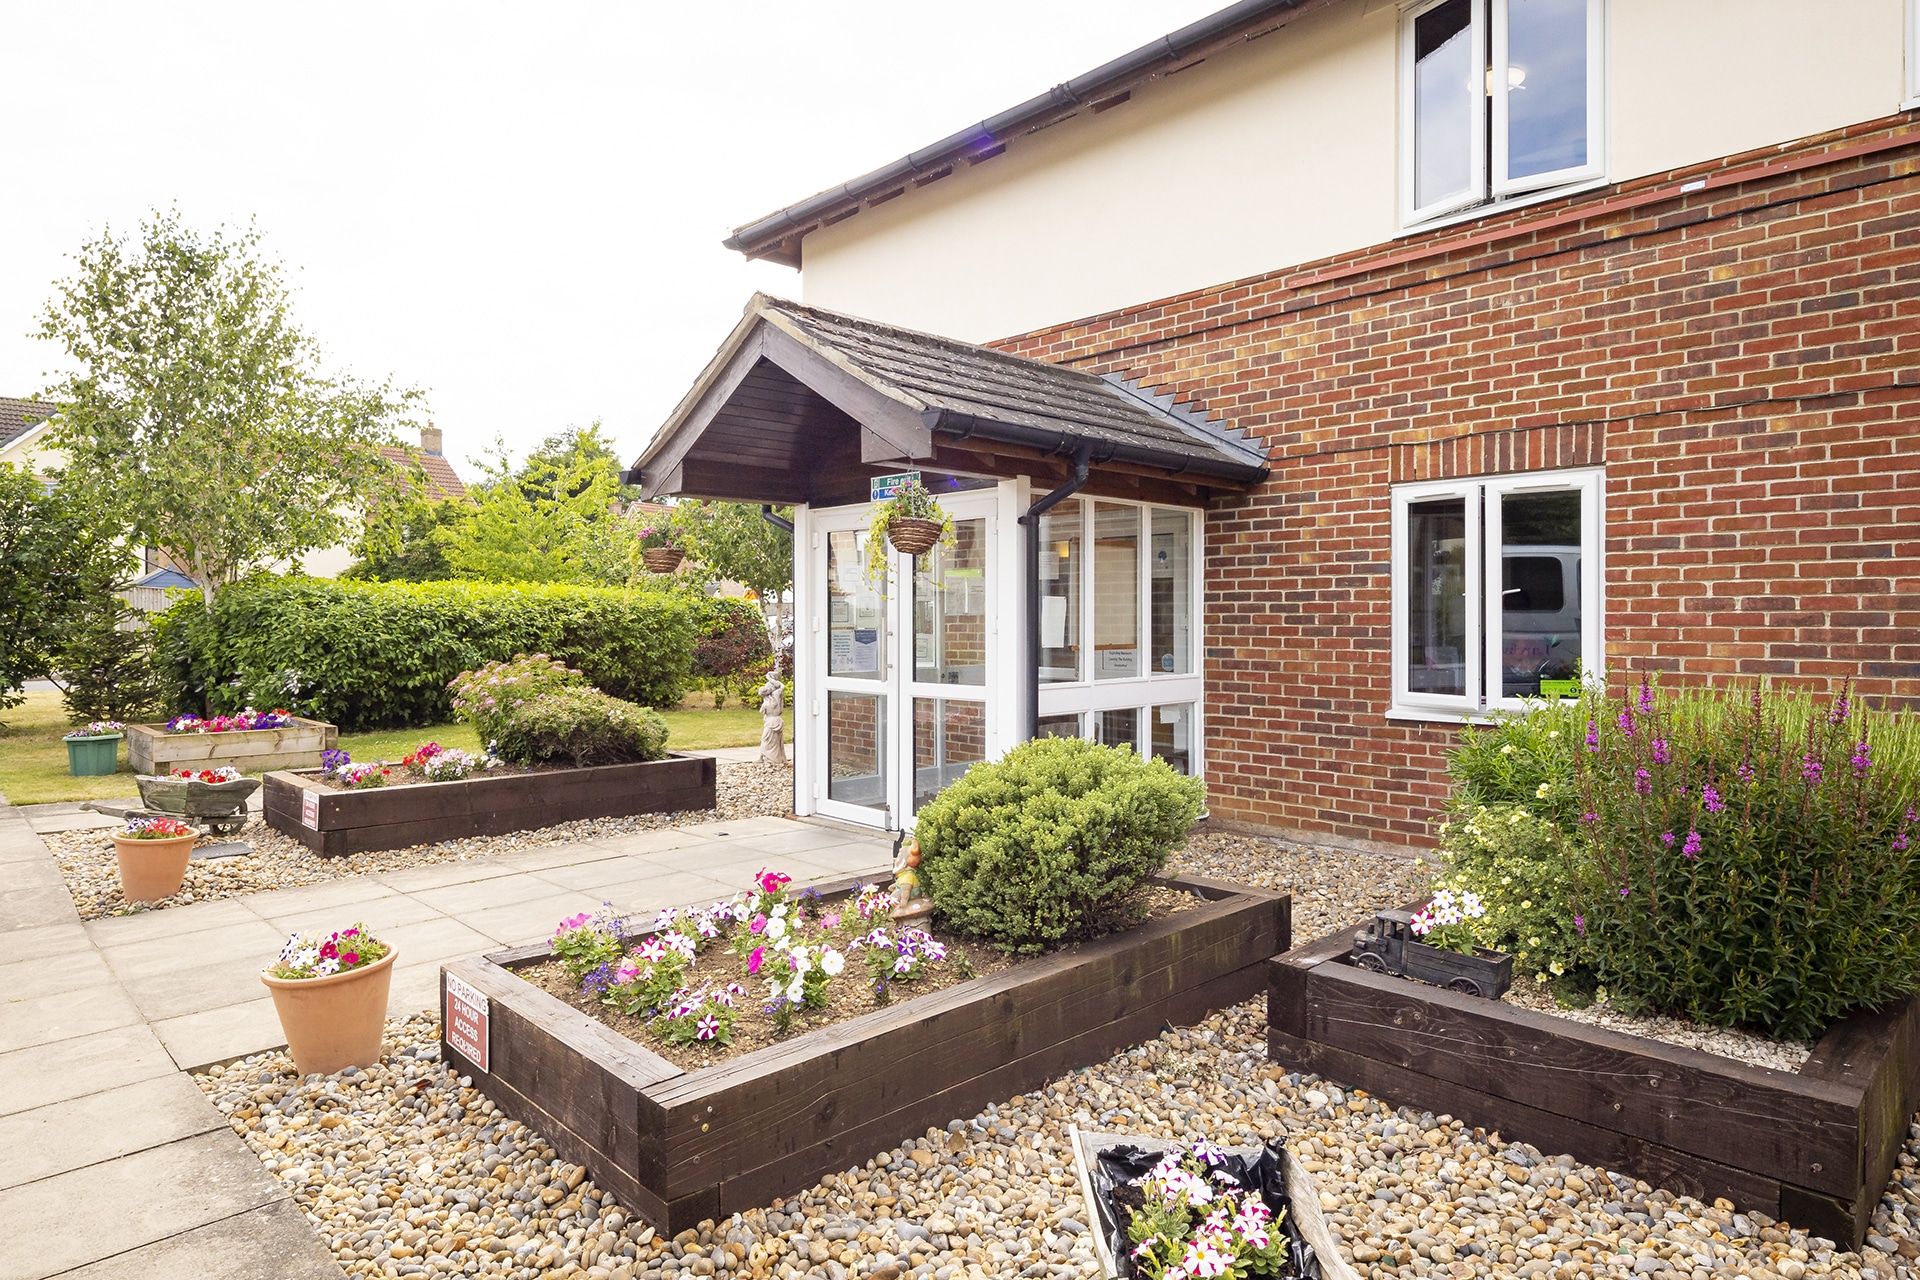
(802, 405)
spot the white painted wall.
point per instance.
(29, 454)
(1284, 151)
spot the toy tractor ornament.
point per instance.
(1388, 946)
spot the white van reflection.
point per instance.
(1540, 623)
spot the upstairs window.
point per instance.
(1499, 98)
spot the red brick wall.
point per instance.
(1744, 359)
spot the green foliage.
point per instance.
(1747, 860)
(585, 946)
(733, 652)
(406, 539)
(487, 697)
(553, 518)
(381, 655)
(735, 543)
(911, 502)
(1516, 862)
(1050, 842)
(56, 552)
(199, 410)
(104, 666)
(580, 727)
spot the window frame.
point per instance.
(1483, 497)
(1913, 56)
(1490, 188)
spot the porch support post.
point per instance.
(1082, 457)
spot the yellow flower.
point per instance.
(1539, 977)
(1557, 969)
(1507, 750)
(1527, 904)
(1543, 789)
(1533, 942)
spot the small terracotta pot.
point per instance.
(913, 536)
(334, 1022)
(153, 869)
(662, 559)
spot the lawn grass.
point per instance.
(33, 759)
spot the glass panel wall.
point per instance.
(1170, 598)
(1116, 592)
(1058, 727)
(1540, 540)
(950, 609)
(948, 736)
(1173, 736)
(857, 749)
(1437, 596)
(856, 611)
(1117, 728)
(1060, 574)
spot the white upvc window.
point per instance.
(1120, 627)
(1913, 56)
(1499, 98)
(1497, 590)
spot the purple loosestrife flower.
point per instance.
(1746, 772)
(1840, 707)
(1810, 768)
(1660, 755)
(1625, 721)
(1593, 735)
(1646, 696)
(1589, 816)
(1624, 891)
(1712, 798)
(1642, 782)
(1666, 838)
(1692, 847)
(1862, 759)
(1580, 925)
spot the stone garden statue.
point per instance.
(773, 698)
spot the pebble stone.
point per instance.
(745, 789)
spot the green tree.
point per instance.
(201, 411)
(104, 665)
(407, 539)
(734, 541)
(56, 551)
(553, 518)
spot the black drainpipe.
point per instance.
(1082, 455)
(779, 522)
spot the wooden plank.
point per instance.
(1661, 1165)
(1879, 1054)
(1776, 1123)
(1287, 977)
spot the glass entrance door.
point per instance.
(909, 665)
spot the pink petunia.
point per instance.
(754, 960)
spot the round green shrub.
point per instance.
(1049, 843)
(581, 727)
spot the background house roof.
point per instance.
(442, 480)
(777, 236)
(17, 417)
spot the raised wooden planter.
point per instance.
(334, 822)
(151, 749)
(1814, 1148)
(682, 1146)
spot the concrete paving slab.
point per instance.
(52, 823)
(416, 989)
(351, 891)
(253, 941)
(799, 838)
(735, 827)
(43, 942)
(587, 877)
(272, 1242)
(103, 1126)
(133, 1201)
(50, 975)
(442, 874)
(50, 1073)
(201, 1039)
(676, 889)
(827, 863)
(169, 922)
(45, 1019)
(380, 915)
(178, 992)
(432, 941)
(528, 919)
(640, 842)
(479, 895)
(43, 899)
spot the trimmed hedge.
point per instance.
(367, 655)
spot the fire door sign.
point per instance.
(466, 1022)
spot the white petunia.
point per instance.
(832, 963)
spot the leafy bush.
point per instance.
(380, 654)
(487, 697)
(1515, 862)
(1050, 842)
(733, 650)
(580, 727)
(104, 661)
(1748, 861)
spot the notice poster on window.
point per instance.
(866, 652)
(840, 650)
(1053, 622)
(1119, 663)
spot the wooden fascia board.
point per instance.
(889, 413)
(729, 482)
(684, 434)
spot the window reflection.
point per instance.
(1117, 728)
(1539, 590)
(1445, 78)
(1437, 596)
(1060, 572)
(950, 609)
(856, 610)
(948, 738)
(857, 749)
(1546, 86)
(1170, 599)
(1116, 592)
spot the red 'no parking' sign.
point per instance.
(465, 1019)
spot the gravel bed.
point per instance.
(1742, 1046)
(745, 789)
(405, 1171)
(1330, 887)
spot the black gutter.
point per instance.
(1102, 82)
(779, 522)
(1186, 466)
(1082, 459)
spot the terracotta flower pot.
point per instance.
(153, 869)
(915, 537)
(334, 1022)
(662, 559)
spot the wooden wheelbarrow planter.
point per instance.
(334, 823)
(681, 1146)
(1814, 1148)
(151, 749)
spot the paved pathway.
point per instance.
(117, 1166)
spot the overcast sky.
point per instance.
(517, 208)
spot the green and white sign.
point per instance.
(880, 488)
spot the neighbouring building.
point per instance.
(23, 425)
(439, 480)
(1390, 363)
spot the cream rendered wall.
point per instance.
(27, 454)
(1285, 150)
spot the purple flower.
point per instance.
(1746, 772)
(1692, 847)
(1642, 782)
(1580, 925)
(1862, 758)
(1714, 803)
(1624, 891)
(1646, 696)
(1666, 838)
(1840, 708)
(1810, 768)
(1589, 816)
(1593, 735)
(1625, 721)
(1660, 755)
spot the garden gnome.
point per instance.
(911, 905)
(773, 697)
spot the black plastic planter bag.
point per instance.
(1119, 1165)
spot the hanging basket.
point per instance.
(662, 559)
(915, 537)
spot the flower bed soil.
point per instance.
(1813, 1148)
(334, 822)
(684, 1146)
(297, 745)
(754, 1028)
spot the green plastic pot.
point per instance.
(93, 757)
